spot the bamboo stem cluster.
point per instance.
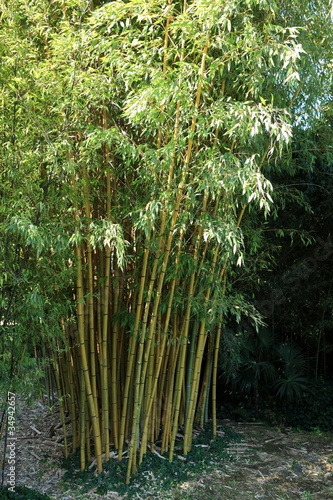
(136, 385)
(141, 355)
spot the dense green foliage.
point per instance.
(259, 365)
(165, 182)
(311, 411)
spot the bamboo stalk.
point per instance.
(115, 359)
(82, 423)
(132, 352)
(105, 313)
(84, 362)
(90, 281)
(203, 399)
(197, 366)
(61, 404)
(214, 375)
(72, 399)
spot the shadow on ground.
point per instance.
(269, 464)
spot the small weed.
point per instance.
(316, 430)
(306, 495)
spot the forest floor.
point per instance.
(262, 463)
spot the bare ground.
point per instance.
(269, 463)
(273, 464)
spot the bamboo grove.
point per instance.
(146, 129)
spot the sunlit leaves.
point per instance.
(108, 235)
(118, 60)
(28, 232)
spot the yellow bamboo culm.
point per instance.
(105, 313)
(90, 286)
(61, 404)
(84, 363)
(82, 423)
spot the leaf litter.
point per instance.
(265, 463)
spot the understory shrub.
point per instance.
(311, 411)
(22, 493)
